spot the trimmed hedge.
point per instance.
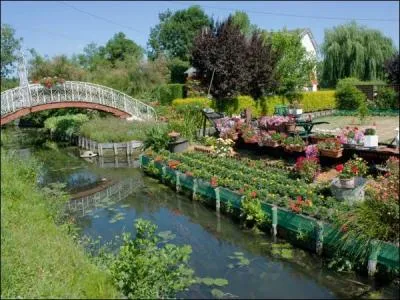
(236, 105)
(311, 101)
(195, 101)
(169, 92)
(321, 100)
(266, 105)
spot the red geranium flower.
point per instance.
(253, 194)
(354, 169)
(339, 168)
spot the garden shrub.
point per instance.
(348, 97)
(200, 102)
(321, 100)
(266, 105)
(387, 99)
(65, 125)
(178, 68)
(237, 105)
(169, 92)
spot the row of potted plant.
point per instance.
(276, 187)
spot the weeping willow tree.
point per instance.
(351, 50)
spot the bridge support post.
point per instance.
(115, 149)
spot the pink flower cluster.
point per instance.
(266, 122)
(311, 151)
(351, 136)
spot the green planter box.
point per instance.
(233, 198)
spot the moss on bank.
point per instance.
(38, 257)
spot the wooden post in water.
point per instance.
(178, 182)
(100, 149)
(115, 149)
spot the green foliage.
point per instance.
(114, 130)
(9, 46)
(348, 97)
(120, 48)
(351, 50)
(174, 34)
(295, 65)
(387, 98)
(142, 269)
(252, 212)
(178, 68)
(196, 101)
(38, 258)
(363, 111)
(266, 105)
(242, 20)
(314, 101)
(237, 105)
(60, 66)
(169, 92)
(392, 69)
(65, 125)
(9, 83)
(156, 138)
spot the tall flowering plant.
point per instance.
(308, 168)
(49, 82)
(352, 136)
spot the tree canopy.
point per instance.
(174, 35)
(295, 65)
(351, 50)
(9, 46)
(235, 64)
(120, 48)
(392, 69)
(242, 20)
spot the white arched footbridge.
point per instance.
(23, 100)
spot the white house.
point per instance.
(309, 43)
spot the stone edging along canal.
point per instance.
(320, 237)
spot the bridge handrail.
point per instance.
(22, 97)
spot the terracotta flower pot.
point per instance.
(331, 153)
(290, 127)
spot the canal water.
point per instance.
(108, 195)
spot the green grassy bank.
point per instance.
(39, 259)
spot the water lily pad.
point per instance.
(166, 235)
(112, 221)
(238, 253)
(96, 216)
(220, 281)
(231, 266)
(125, 205)
(217, 293)
(208, 281)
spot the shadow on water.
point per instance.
(106, 201)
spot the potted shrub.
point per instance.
(295, 144)
(370, 138)
(295, 108)
(349, 170)
(249, 134)
(330, 148)
(318, 137)
(276, 139)
(290, 126)
(351, 137)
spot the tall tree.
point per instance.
(392, 69)
(9, 46)
(234, 63)
(242, 20)
(174, 35)
(120, 48)
(295, 64)
(351, 50)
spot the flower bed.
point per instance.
(235, 182)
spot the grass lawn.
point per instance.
(385, 126)
(39, 259)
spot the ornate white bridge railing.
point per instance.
(35, 94)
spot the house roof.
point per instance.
(304, 31)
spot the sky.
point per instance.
(54, 27)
